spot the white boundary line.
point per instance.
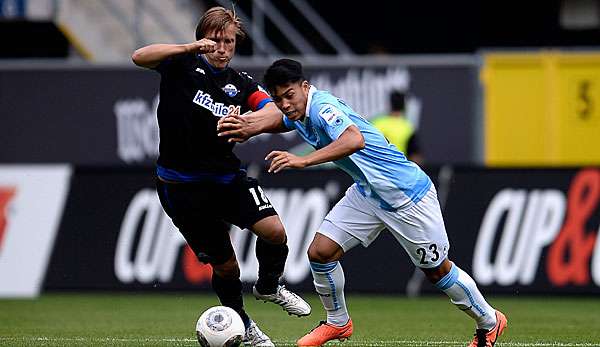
(291, 343)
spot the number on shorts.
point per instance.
(423, 252)
(259, 200)
(433, 249)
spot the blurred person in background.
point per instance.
(199, 181)
(398, 129)
(389, 192)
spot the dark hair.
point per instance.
(397, 100)
(218, 18)
(282, 72)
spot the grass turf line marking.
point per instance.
(293, 343)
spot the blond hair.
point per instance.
(217, 19)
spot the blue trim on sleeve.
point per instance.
(263, 103)
(178, 176)
(448, 280)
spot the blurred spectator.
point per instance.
(12, 8)
(398, 129)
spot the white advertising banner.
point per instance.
(32, 199)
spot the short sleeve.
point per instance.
(333, 120)
(257, 95)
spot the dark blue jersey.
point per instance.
(193, 96)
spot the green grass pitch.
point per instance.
(136, 319)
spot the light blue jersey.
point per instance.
(379, 170)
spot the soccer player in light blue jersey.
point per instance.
(389, 192)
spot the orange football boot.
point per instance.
(325, 332)
(485, 338)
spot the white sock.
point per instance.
(463, 293)
(329, 282)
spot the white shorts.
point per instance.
(419, 227)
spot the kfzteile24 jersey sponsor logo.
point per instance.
(530, 222)
(218, 109)
(149, 247)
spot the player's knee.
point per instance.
(276, 236)
(324, 250)
(434, 275)
(270, 230)
(228, 270)
(320, 255)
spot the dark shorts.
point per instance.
(203, 212)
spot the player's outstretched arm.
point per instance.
(350, 141)
(150, 56)
(240, 128)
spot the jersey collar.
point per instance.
(311, 91)
(213, 69)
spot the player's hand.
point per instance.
(235, 127)
(281, 160)
(202, 46)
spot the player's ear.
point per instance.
(305, 85)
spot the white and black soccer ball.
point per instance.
(220, 326)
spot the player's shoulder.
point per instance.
(245, 80)
(323, 97)
(245, 76)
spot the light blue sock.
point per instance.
(463, 293)
(329, 282)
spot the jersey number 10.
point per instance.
(259, 198)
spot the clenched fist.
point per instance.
(202, 46)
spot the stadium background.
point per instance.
(505, 96)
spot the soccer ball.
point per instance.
(220, 326)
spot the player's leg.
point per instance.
(421, 231)
(328, 275)
(207, 237)
(271, 252)
(228, 286)
(328, 278)
(465, 294)
(348, 224)
(254, 211)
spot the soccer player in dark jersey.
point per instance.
(199, 183)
